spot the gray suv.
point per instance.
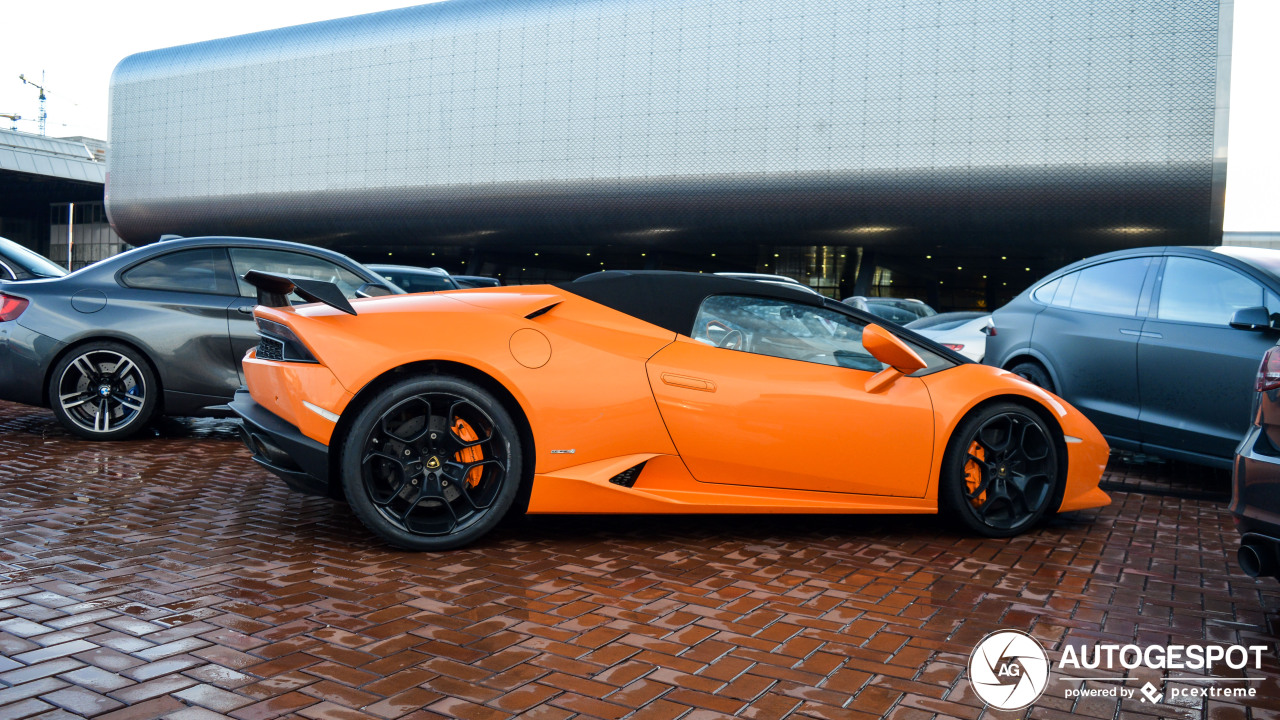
(1159, 347)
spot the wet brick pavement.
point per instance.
(170, 577)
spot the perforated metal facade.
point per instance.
(984, 123)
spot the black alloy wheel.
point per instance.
(1001, 471)
(103, 391)
(431, 463)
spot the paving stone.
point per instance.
(193, 585)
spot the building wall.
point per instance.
(589, 121)
(90, 238)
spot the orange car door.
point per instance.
(739, 417)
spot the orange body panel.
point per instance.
(809, 427)
(582, 398)
(283, 388)
(603, 392)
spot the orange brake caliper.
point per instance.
(973, 473)
(469, 454)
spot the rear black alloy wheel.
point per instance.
(431, 463)
(103, 391)
(1001, 471)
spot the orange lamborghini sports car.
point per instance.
(434, 415)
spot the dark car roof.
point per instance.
(228, 241)
(434, 271)
(671, 299)
(1262, 262)
(122, 262)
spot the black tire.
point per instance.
(1033, 372)
(103, 391)
(431, 463)
(1001, 472)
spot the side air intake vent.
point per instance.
(627, 477)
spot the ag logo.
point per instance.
(1009, 670)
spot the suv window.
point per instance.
(1111, 287)
(1204, 292)
(284, 262)
(782, 329)
(202, 270)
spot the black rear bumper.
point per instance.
(276, 445)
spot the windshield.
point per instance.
(29, 263)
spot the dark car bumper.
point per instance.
(24, 357)
(276, 445)
(1255, 503)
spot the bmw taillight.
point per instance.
(1269, 371)
(953, 346)
(11, 307)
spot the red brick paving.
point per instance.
(170, 577)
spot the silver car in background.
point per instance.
(965, 332)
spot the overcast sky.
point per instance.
(76, 43)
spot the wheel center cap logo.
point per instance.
(433, 462)
(104, 390)
(1009, 670)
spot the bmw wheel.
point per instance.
(431, 463)
(1000, 474)
(103, 391)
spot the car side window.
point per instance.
(1204, 292)
(201, 270)
(778, 328)
(891, 313)
(1045, 292)
(1112, 287)
(284, 262)
(419, 282)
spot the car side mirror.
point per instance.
(888, 349)
(1251, 318)
(368, 290)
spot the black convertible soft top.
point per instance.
(671, 299)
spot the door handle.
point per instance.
(1141, 333)
(245, 309)
(691, 383)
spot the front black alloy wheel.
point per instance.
(431, 463)
(103, 391)
(1000, 474)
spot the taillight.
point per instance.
(953, 346)
(11, 307)
(990, 328)
(1269, 371)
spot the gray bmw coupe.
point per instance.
(155, 330)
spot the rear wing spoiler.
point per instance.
(273, 291)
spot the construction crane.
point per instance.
(13, 120)
(39, 87)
